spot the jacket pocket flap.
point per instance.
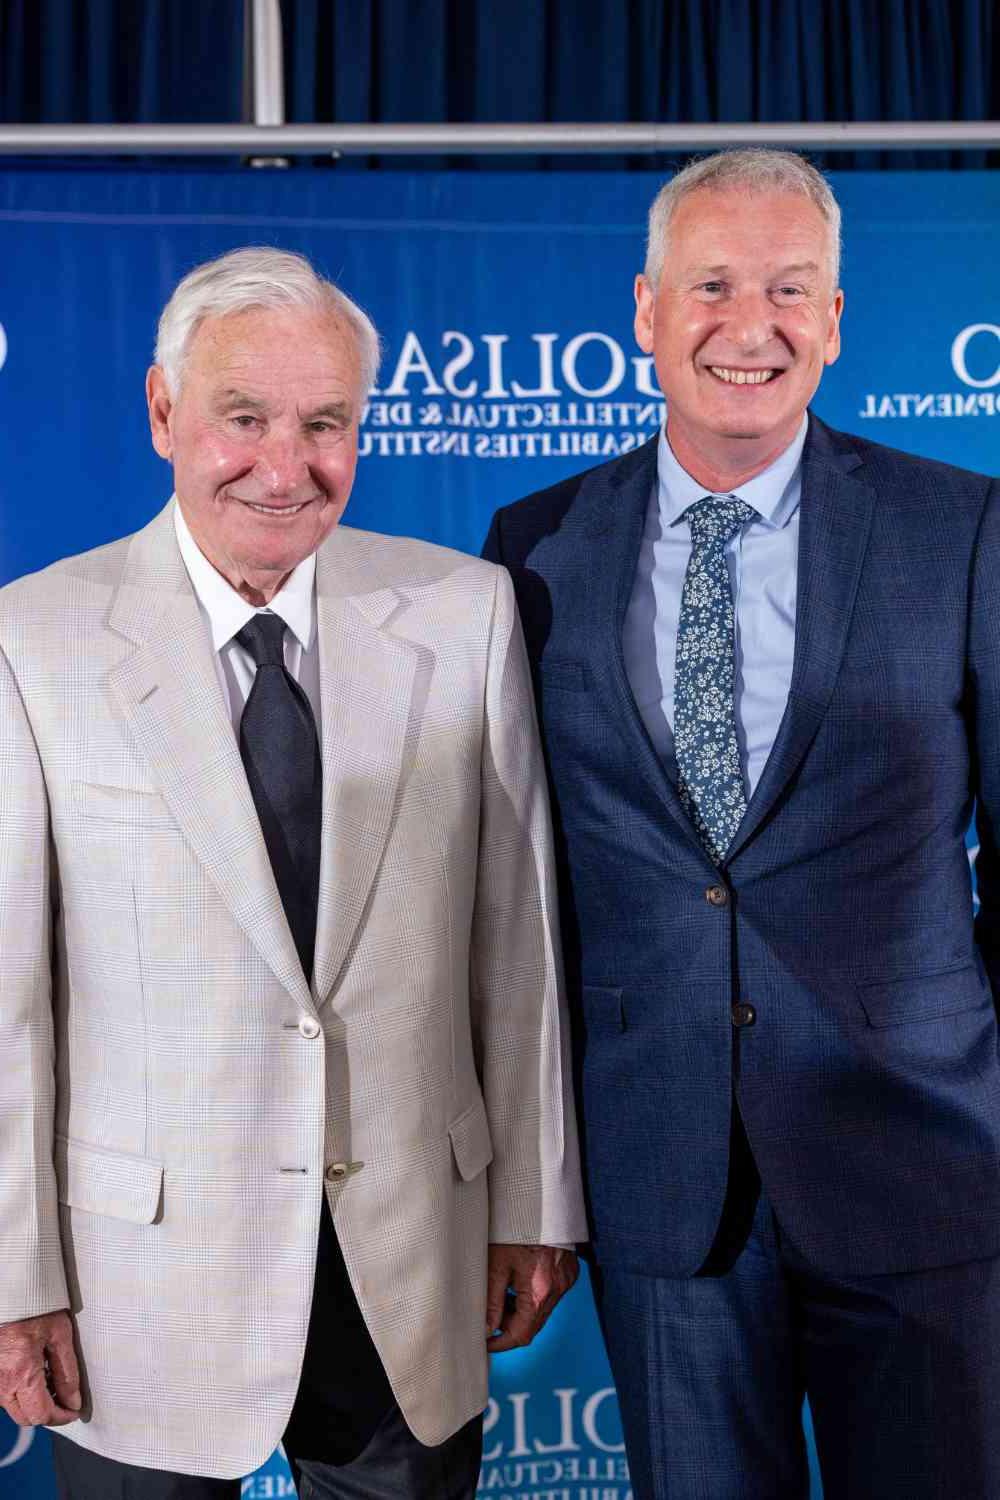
(923, 997)
(470, 1141)
(107, 1182)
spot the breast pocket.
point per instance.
(121, 804)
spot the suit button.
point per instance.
(309, 1027)
(717, 895)
(743, 1014)
(336, 1170)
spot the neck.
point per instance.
(259, 589)
(725, 464)
(257, 586)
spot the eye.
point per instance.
(244, 421)
(789, 293)
(712, 288)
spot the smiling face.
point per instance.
(263, 439)
(740, 327)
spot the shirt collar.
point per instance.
(227, 611)
(774, 493)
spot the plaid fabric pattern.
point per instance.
(175, 1092)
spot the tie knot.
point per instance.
(716, 518)
(263, 637)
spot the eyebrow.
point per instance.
(226, 400)
(230, 400)
(792, 270)
(337, 411)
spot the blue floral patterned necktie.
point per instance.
(710, 778)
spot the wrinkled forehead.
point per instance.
(313, 343)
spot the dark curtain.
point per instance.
(120, 61)
(693, 61)
(559, 60)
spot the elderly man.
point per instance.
(280, 966)
(768, 661)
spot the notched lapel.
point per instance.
(835, 525)
(168, 692)
(613, 522)
(372, 687)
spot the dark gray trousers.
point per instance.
(392, 1466)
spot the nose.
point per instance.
(751, 320)
(281, 463)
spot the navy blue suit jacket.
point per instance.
(870, 1082)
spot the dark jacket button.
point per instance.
(743, 1014)
(717, 895)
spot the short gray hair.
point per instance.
(256, 277)
(754, 169)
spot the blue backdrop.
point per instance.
(505, 304)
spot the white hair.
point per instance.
(754, 169)
(256, 277)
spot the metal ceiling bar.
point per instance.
(478, 140)
(268, 74)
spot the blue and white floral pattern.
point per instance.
(710, 775)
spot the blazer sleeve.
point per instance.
(984, 671)
(32, 1276)
(519, 1017)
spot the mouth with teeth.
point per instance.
(732, 376)
(276, 510)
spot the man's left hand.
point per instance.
(523, 1285)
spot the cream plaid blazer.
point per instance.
(175, 1097)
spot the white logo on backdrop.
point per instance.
(981, 341)
(961, 344)
(3, 346)
(23, 1436)
(586, 1446)
(491, 396)
(268, 1487)
(582, 1448)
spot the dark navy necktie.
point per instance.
(710, 777)
(280, 750)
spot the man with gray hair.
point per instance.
(286, 1134)
(768, 664)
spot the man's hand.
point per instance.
(39, 1374)
(523, 1285)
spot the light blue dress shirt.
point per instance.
(763, 573)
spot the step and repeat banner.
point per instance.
(505, 304)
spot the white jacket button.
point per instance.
(309, 1026)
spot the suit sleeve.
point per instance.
(984, 666)
(32, 1277)
(518, 1003)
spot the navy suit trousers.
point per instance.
(902, 1373)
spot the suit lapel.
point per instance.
(835, 523)
(370, 683)
(168, 692)
(613, 516)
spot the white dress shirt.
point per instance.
(226, 613)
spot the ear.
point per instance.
(645, 299)
(161, 406)
(832, 350)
